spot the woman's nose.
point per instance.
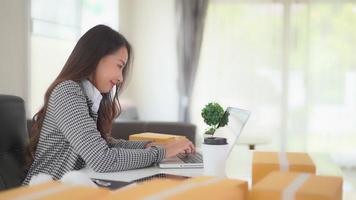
(120, 78)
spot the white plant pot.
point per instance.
(215, 153)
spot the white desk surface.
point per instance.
(238, 166)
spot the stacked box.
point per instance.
(297, 186)
(266, 162)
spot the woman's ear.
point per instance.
(91, 77)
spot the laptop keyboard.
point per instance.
(191, 158)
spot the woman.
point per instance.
(72, 129)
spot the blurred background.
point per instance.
(292, 63)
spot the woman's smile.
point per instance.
(112, 83)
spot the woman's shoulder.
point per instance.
(67, 86)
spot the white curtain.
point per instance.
(292, 63)
(190, 17)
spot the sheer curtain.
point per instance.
(190, 19)
(291, 63)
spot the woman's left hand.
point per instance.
(189, 150)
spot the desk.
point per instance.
(238, 166)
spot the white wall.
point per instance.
(150, 27)
(14, 47)
(48, 56)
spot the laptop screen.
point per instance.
(237, 119)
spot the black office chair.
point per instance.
(13, 138)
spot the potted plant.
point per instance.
(214, 116)
(215, 149)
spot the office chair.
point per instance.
(13, 138)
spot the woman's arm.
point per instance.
(120, 143)
(68, 106)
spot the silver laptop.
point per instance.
(237, 120)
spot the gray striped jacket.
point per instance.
(69, 139)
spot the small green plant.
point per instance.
(214, 116)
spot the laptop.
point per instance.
(237, 119)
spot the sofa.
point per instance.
(124, 129)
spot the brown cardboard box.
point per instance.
(154, 137)
(266, 162)
(297, 186)
(195, 188)
(54, 190)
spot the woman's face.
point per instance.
(109, 70)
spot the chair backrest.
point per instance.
(13, 138)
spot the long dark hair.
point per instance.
(96, 43)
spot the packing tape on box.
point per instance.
(290, 191)
(181, 188)
(43, 193)
(283, 162)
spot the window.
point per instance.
(56, 26)
(291, 63)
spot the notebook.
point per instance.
(237, 120)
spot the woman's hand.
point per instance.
(180, 145)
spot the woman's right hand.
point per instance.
(181, 145)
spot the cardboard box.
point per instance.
(266, 162)
(194, 188)
(154, 137)
(54, 190)
(297, 186)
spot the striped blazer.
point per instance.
(69, 139)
